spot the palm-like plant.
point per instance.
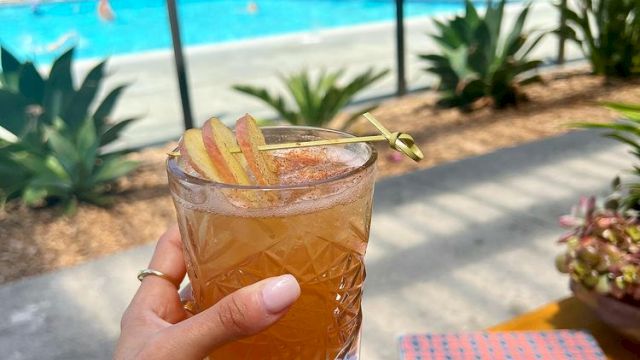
(316, 101)
(475, 61)
(56, 153)
(627, 131)
(607, 32)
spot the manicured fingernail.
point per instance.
(279, 293)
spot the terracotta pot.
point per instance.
(622, 317)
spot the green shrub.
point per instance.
(56, 154)
(608, 33)
(602, 246)
(316, 102)
(475, 62)
(625, 130)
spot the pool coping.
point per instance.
(304, 37)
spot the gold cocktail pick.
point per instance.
(398, 141)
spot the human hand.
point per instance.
(156, 326)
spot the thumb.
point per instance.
(240, 314)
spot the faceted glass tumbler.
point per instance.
(317, 231)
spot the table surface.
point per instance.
(570, 313)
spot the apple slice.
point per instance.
(192, 148)
(261, 163)
(218, 139)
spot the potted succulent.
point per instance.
(602, 248)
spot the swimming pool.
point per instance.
(142, 25)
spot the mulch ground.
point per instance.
(33, 241)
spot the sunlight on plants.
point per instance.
(479, 59)
(607, 32)
(56, 154)
(316, 101)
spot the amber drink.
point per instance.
(314, 225)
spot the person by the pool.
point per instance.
(35, 7)
(252, 7)
(105, 12)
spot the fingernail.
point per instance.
(279, 293)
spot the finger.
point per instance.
(168, 258)
(241, 314)
(158, 294)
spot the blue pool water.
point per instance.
(142, 25)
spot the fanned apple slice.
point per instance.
(192, 148)
(261, 163)
(218, 140)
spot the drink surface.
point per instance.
(318, 234)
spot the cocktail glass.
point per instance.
(315, 228)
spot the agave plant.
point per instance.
(55, 153)
(479, 60)
(316, 101)
(607, 32)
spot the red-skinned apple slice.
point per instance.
(192, 148)
(261, 163)
(218, 139)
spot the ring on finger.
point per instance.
(147, 272)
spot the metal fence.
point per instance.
(400, 62)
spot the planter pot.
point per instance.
(622, 317)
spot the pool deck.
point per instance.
(214, 69)
(461, 246)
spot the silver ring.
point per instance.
(146, 272)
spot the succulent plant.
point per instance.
(56, 152)
(603, 246)
(480, 60)
(316, 101)
(607, 32)
(602, 250)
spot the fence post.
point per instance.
(402, 83)
(180, 64)
(561, 37)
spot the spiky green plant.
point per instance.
(479, 59)
(56, 152)
(607, 32)
(315, 101)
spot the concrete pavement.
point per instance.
(459, 246)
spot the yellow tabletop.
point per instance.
(570, 313)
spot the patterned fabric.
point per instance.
(525, 345)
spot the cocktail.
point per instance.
(246, 213)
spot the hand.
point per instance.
(156, 326)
